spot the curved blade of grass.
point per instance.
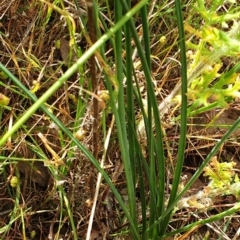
(159, 180)
(150, 136)
(183, 127)
(129, 96)
(142, 166)
(122, 128)
(130, 123)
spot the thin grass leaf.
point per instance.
(183, 126)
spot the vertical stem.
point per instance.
(93, 74)
(183, 127)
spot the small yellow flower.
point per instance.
(36, 86)
(104, 95)
(162, 39)
(80, 134)
(32, 234)
(14, 181)
(4, 100)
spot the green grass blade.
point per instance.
(155, 146)
(183, 127)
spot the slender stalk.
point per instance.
(183, 127)
(93, 74)
(155, 145)
(124, 144)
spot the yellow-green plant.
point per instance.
(223, 179)
(216, 39)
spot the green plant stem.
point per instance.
(121, 119)
(155, 144)
(93, 75)
(183, 127)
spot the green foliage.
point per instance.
(217, 38)
(206, 83)
(223, 179)
(220, 174)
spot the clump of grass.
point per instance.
(61, 114)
